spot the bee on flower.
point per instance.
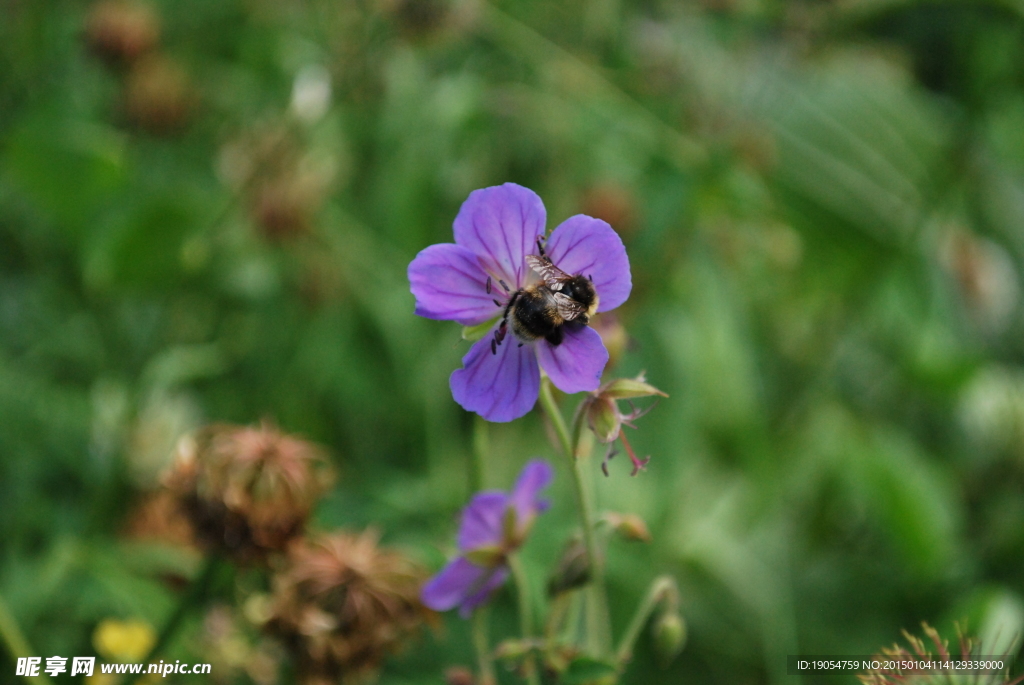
(540, 291)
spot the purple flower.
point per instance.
(473, 280)
(494, 524)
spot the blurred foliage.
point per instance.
(208, 218)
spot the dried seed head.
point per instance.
(343, 603)
(119, 32)
(158, 95)
(247, 490)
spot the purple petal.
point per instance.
(501, 225)
(589, 246)
(449, 588)
(450, 284)
(484, 589)
(536, 475)
(498, 387)
(482, 520)
(576, 364)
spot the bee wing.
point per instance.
(568, 308)
(552, 275)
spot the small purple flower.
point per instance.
(472, 281)
(494, 524)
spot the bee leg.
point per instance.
(499, 335)
(540, 248)
(489, 285)
(505, 286)
(494, 347)
(519, 345)
(555, 337)
(496, 303)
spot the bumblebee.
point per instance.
(543, 309)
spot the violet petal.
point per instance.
(576, 364)
(482, 520)
(536, 475)
(588, 246)
(499, 387)
(501, 225)
(448, 589)
(483, 589)
(450, 284)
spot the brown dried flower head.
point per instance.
(920, 651)
(121, 31)
(343, 603)
(158, 94)
(247, 490)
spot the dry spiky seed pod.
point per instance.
(342, 603)
(247, 490)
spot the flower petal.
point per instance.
(584, 245)
(577, 363)
(482, 520)
(499, 387)
(484, 589)
(501, 225)
(449, 588)
(450, 284)
(536, 475)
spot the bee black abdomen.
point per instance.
(555, 337)
(534, 315)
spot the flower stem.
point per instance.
(481, 447)
(662, 589)
(598, 631)
(15, 640)
(196, 593)
(481, 643)
(525, 615)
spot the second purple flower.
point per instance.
(498, 258)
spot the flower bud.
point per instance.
(629, 526)
(669, 636)
(604, 418)
(573, 570)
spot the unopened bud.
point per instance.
(669, 636)
(603, 418)
(573, 570)
(511, 650)
(631, 527)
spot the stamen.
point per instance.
(505, 286)
(488, 285)
(494, 347)
(497, 303)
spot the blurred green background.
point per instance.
(823, 204)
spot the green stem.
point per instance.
(16, 643)
(598, 631)
(662, 589)
(525, 615)
(196, 593)
(481, 643)
(481, 447)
